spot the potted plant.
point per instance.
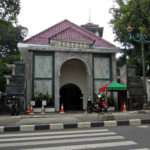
(110, 101)
(39, 97)
(103, 96)
(95, 97)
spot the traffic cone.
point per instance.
(62, 109)
(31, 111)
(28, 109)
(42, 110)
(124, 107)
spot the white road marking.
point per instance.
(54, 137)
(86, 146)
(140, 149)
(143, 126)
(60, 141)
(49, 133)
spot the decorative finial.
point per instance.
(90, 21)
(21, 59)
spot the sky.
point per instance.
(38, 15)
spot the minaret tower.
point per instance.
(93, 27)
(90, 21)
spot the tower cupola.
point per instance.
(93, 27)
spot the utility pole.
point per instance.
(145, 106)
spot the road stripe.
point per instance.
(140, 149)
(86, 146)
(143, 126)
(49, 133)
(55, 137)
(61, 141)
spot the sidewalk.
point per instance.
(70, 120)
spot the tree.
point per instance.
(4, 70)
(9, 9)
(132, 13)
(10, 38)
(9, 41)
(129, 14)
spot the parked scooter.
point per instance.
(14, 106)
(98, 106)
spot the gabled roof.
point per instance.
(61, 33)
(71, 34)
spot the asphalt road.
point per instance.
(112, 138)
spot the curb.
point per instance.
(140, 112)
(59, 126)
(74, 115)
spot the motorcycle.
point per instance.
(13, 106)
(98, 106)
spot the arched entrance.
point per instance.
(71, 97)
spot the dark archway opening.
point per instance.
(71, 97)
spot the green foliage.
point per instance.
(131, 13)
(9, 41)
(103, 95)
(10, 38)
(4, 70)
(121, 61)
(9, 9)
(95, 97)
(39, 97)
(110, 100)
(137, 15)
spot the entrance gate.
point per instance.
(71, 97)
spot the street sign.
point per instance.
(44, 103)
(32, 103)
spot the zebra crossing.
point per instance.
(64, 140)
(143, 126)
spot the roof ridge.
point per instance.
(72, 28)
(59, 32)
(83, 34)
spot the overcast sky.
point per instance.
(38, 15)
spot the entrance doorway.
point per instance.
(71, 97)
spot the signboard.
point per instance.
(32, 103)
(44, 103)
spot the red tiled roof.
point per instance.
(61, 33)
(71, 34)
